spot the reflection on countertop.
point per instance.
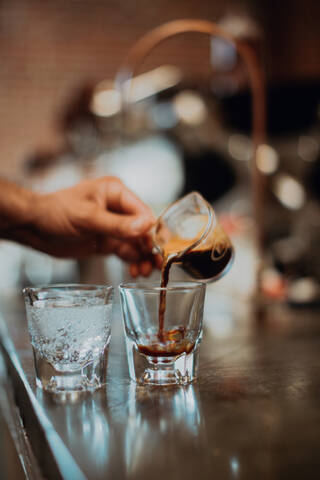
(253, 412)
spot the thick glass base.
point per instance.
(147, 370)
(88, 377)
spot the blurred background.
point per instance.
(188, 126)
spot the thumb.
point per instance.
(122, 226)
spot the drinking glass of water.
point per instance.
(69, 327)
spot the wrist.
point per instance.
(27, 208)
(17, 206)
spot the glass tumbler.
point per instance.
(170, 355)
(69, 327)
(188, 233)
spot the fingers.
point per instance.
(118, 198)
(97, 245)
(120, 226)
(125, 215)
(140, 263)
(105, 206)
(144, 268)
(139, 255)
(127, 251)
(134, 270)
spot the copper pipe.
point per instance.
(142, 48)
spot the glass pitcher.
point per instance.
(188, 233)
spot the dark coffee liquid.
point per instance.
(158, 350)
(167, 262)
(201, 264)
(204, 264)
(174, 343)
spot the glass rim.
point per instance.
(68, 286)
(203, 236)
(155, 287)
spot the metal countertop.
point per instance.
(253, 413)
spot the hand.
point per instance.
(99, 216)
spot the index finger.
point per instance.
(120, 199)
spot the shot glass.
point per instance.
(163, 353)
(70, 328)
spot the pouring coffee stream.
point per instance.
(187, 233)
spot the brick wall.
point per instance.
(51, 47)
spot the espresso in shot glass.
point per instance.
(169, 358)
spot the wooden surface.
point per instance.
(253, 414)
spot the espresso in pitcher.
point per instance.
(204, 264)
(208, 261)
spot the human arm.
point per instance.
(97, 216)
